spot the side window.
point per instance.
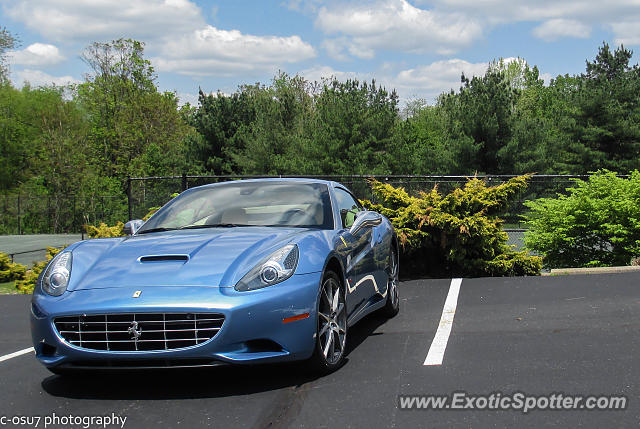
(347, 206)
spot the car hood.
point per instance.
(213, 257)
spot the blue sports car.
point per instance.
(242, 272)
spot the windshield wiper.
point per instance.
(160, 229)
(214, 225)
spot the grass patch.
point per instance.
(8, 288)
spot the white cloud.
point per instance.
(546, 77)
(187, 97)
(175, 31)
(215, 52)
(37, 54)
(622, 16)
(303, 5)
(396, 25)
(361, 28)
(67, 20)
(40, 78)
(429, 81)
(498, 11)
(335, 48)
(420, 82)
(627, 32)
(554, 29)
(316, 74)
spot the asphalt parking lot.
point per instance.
(575, 335)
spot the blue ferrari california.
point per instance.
(241, 272)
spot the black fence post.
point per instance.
(19, 219)
(74, 216)
(184, 182)
(129, 202)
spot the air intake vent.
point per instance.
(164, 258)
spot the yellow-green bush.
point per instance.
(455, 234)
(28, 282)
(104, 231)
(10, 271)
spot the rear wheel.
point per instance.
(392, 306)
(331, 330)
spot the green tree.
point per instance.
(7, 42)
(355, 125)
(431, 142)
(484, 109)
(609, 111)
(277, 139)
(217, 120)
(543, 124)
(17, 130)
(59, 161)
(130, 121)
(293, 126)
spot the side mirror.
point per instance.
(132, 226)
(348, 217)
(365, 219)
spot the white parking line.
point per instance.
(439, 344)
(16, 354)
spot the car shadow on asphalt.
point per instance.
(194, 383)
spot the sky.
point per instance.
(418, 47)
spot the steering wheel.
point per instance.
(291, 213)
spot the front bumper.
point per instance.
(253, 330)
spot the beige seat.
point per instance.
(235, 215)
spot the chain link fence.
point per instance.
(42, 214)
(20, 214)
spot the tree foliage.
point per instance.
(57, 143)
(596, 224)
(7, 42)
(134, 129)
(296, 127)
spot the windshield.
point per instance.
(303, 205)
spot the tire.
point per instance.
(392, 306)
(331, 327)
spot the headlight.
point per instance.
(277, 267)
(56, 278)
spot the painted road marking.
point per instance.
(16, 354)
(439, 344)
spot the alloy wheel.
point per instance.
(332, 321)
(392, 283)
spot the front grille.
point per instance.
(139, 331)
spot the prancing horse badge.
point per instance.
(137, 294)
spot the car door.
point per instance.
(360, 258)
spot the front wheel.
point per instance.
(392, 306)
(331, 330)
